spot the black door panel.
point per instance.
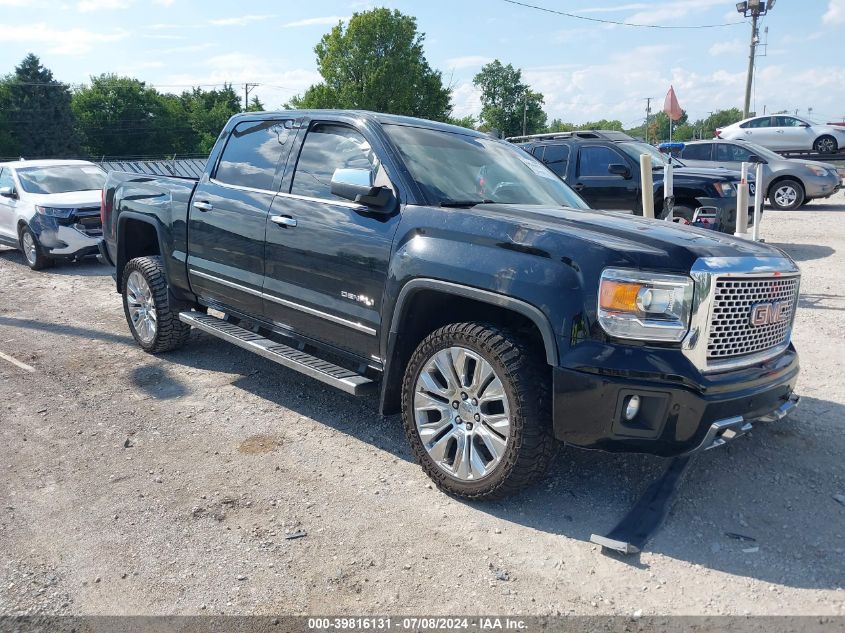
(600, 188)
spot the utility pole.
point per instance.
(647, 115)
(754, 9)
(247, 88)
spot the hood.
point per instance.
(714, 174)
(72, 199)
(628, 240)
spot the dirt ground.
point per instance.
(134, 484)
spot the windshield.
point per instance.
(762, 152)
(460, 170)
(635, 148)
(61, 178)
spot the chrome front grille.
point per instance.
(732, 333)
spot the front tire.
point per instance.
(826, 145)
(33, 252)
(476, 409)
(154, 323)
(786, 195)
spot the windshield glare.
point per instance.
(61, 178)
(450, 167)
(635, 148)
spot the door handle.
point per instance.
(203, 206)
(578, 186)
(283, 220)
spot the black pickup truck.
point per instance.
(464, 281)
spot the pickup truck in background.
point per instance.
(603, 166)
(465, 282)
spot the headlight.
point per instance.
(726, 189)
(55, 212)
(644, 306)
(818, 170)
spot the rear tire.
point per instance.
(32, 250)
(486, 434)
(786, 195)
(152, 319)
(826, 145)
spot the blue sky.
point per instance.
(585, 70)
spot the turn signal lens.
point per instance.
(619, 296)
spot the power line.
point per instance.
(617, 22)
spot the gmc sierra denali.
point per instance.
(468, 283)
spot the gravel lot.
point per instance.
(133, 484)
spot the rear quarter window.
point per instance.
(252, 154)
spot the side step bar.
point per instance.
(324, 371)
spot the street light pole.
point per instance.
(754, 9)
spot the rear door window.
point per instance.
(252, 154)
(593, 161)
(329, 147)
(765, 121)
(556, 158)
(699, 151)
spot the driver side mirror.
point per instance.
(618, 169)
(756, 159)
(357, 185)
(8, 192)
(804, 124)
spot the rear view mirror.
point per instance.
(8, 192)
(618, 169)
(357, 185)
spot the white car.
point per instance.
(785, 133)
(50, 209)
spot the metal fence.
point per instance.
(190, 166)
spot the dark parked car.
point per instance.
(465, 282)
(603, 166)
(788, 182)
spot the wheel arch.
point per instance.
(137, 236)
(420, 309)
(783, 177)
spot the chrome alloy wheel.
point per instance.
(142, 308)
(462, 413)
(826, 145)
(29, 247)
(786, 195)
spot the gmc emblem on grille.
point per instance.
(769, 313)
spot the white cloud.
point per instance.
(60, 41)
(466, 99)
(468, 61)
(329, 20)
(835, 12)
(86, 6)
(730, 47)
(674, 11)
(242, 20)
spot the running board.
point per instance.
(324, 371)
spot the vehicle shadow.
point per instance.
(87, 267)
(805, 252)
(739, 489)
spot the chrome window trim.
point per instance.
(704, 273)
(294, 196)
(360, 327)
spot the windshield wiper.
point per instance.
(448, 202)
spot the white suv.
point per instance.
(50, 209)
(784, 133)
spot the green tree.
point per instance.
(207, 111)
(377, 63)
(507, 102)
(122, 116)
(255, 105)
(8, 144)
(467, 121)
(39, 122)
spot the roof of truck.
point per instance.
(379, 117)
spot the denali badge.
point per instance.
(359, 298)
(769, 313)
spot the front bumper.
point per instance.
(681, 410)
(822, 187)
(61, 239)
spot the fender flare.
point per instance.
(531, 312)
